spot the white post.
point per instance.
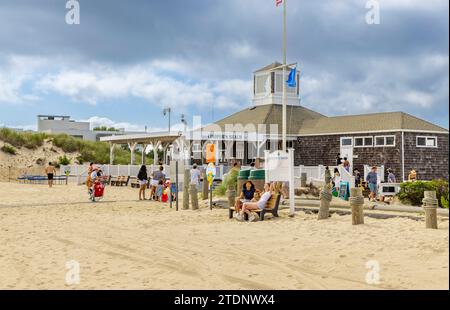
(111, 153)
(291, 183)
(132, 147)
(284, 81)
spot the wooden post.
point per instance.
(326, 196)
(325, 199)
(187, 181)
(231, 195)
(194, 196)
(357, 203)
(430, 205)
(205, 188)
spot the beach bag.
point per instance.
(335, 192)
(165, 196)
(99, 190)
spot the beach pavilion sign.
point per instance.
(279, 167)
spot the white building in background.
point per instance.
(56, 124)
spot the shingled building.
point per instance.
(395, 140)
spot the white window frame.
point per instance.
(196, 148)
(346, 138)
(364, 141)
(426, 140)
(385, 138)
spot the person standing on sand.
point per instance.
(143, 179)
(156, 178)
(195, 176)
(372, 180)
(88, 179)
(50, 171)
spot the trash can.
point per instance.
(258, 178)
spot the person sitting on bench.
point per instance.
(247, 195)
(260, 205)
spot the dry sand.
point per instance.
(121, 243)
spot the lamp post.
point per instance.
(165, 112)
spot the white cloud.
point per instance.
(147, 81)
(15, 70)
(98, 121)
(242, 50)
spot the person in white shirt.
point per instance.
(248, 207)
(195, 175)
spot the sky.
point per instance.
(128, 60)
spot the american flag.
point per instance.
(279, 2)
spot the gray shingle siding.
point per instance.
(430, 163)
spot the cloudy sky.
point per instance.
(127, 60)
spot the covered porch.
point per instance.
(157, 141)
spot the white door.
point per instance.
(347, 150)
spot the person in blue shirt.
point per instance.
(247, 195)
(372, 180)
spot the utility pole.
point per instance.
(284, 134)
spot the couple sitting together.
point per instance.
(252, 200)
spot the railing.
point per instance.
(79, 172)
(312, 173)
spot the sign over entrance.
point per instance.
(279, 167)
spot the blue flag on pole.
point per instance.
(292, 80)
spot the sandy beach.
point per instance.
(121, 243)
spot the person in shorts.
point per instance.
(156, 178)
(372, 180)
(50, 171)
(247, 195)
(261, 204)
(142, 179)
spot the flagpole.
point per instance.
(284, 135)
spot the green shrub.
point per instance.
(9, 149)
(444, 202)
(413, 192)
(63, 161)
(22, 139)
(230, 180)
(441, 188)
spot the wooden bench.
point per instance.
(134, 182)
(120, 181)
(272, 207)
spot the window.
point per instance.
(346, 142)
(197, 148)
(385, 141)
(426, 141)
(364, 142)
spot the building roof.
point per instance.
(143, 138)
(392, 121)
(267, 115)
(302, 121)
(272, 66)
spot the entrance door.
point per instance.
(347, 150)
